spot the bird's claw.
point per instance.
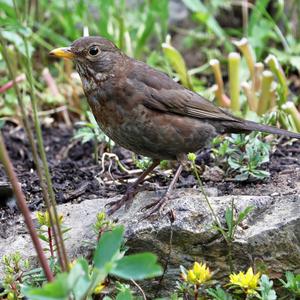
(126, 200)
(156, 206)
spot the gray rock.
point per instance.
(270, 235)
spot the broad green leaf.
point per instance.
(137, 266)
(108, 246)
(56, 290)
(124, 295)
(80, 285)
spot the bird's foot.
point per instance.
(156, 206)
(126, 200)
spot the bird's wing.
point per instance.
(164, 94)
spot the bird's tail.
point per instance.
(245, 126)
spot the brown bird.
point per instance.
(145, 111)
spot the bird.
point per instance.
(144, 110)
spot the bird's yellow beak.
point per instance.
(62, 52)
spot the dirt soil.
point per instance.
(77, 177)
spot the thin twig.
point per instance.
(139, 287)
(24, 208)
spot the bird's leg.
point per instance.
(131, 191)
(159, 205)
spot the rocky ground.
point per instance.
(270, 236)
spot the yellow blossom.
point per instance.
(98, 289)
(72, 264)
(199, 274)
(248, 282)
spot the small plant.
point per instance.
(142, 163)
(292, 284)
(102, 224)
(14, 275)
(246, 283)
(90, 131)
(266, 289)
(244, 154)
(83, 280)
(45, 232)
(194, 280)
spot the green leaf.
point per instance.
(243, 214)
(229, 220)
(124, 295)
(261, 174)
(79, 284)
(56, 290)
(202, 14)
(266, 288)
(137, 267)
(108, 246)
(219, 294)
(242, 177)
(257, 12)
(43, 237)
(178, 64)
(18, 41)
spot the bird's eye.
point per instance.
(94, 50)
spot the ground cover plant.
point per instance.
(247, 63)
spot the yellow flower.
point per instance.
(72, 264)
(248, 282)
(199, 274)
(98, 289)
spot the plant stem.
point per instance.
(291, 109)
(276, 68)
(26, 122)
(250, 95)
(234, 60)
(178, 64)
(52, 205)
(265, 96)
(215, 217)
(247, 51)
(50, 242)
(258, 69)
(29, 133)
(222, 100)
(196, 291)
(24, 208)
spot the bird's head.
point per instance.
(94, 57)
